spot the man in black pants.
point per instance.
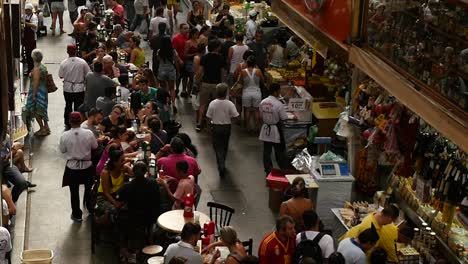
(220, 112)
(76, 144)
(73, 71)
(273, 113)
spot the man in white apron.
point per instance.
(273, 112)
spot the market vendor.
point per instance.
(386, 229)
(224, 22)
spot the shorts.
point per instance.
(57, 7)
(166, 75)
(188, 65)
(251, 99)
(207, 93)
(172, 2)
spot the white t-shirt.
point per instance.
(154, 24)
(272, 111)
(250, 30)
(73, 71)
(325, 243)
(5, 244)
(352, 253)
(76, 144)
(221, 111)
(139, 6)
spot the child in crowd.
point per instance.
(185, 186)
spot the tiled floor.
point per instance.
(49, 222)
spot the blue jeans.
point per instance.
(14, 176)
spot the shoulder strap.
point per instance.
(160, 140)
(303, 236)
(318, 237)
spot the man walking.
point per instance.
(178, 43)
(272, 112)
(210, 73)
(73, 71)
(76, 144)
(29, 34)
(220, 112)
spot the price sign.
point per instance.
(297, 104)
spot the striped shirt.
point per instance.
(273, 251)
(388, 235)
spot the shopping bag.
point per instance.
(46, 10)
(51, 87)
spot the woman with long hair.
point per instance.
(251, 93)
(112, 178)
(296, 206)
(195, 17)
(229, 239)
(137, 56)
(169, 63)
(157, 135)
(150, 109)
(149, 75)
(190, 52)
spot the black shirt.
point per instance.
(212, 64)
(142, 198)
(107, 124)
(261, 53)
(223, 27)
(224, 51)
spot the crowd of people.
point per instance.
(120, 115)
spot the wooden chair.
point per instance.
(221, 214)
(248, 245)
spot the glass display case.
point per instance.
(427, 39)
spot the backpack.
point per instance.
(309, 248)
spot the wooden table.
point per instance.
(326, 114)
(174, 221)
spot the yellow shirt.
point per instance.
(140, 58)
(388, 235)
(117, 183)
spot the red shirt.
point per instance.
(178, 43)
(119, 11)
(273, 251)
(168, 165)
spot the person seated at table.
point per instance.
(109, 67)
(176, 153)
(185, 248)
(229, 239)
(81, 24)
(130, 145)
(18, 157)
(149, 75)
(190, 149)
(106, 103)
(157, 135)
(113, 119)
(89, 47)
(296, 206)
(95, 117)
(112, 178)
(186, 185)
(119, 134)
(146, 92)
(100, 53)
(137, 56)
(123, 70)
(150, 109)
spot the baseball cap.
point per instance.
(252, 13)
(71, 49)
(75, 117)
(28, 6)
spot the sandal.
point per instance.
(41, 133)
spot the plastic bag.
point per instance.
(46, 10)
(303, 161)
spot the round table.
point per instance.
(174, 221)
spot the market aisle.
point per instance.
(50, 225)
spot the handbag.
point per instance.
(236, 89)
(46, 10)
(51, 87)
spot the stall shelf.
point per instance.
(417, 220)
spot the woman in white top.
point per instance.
(235, 54)
(277, 54)
(251, 94)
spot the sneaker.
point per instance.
(76, 219)
(198, 128)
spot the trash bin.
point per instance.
(37, 256)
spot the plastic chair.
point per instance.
(221, 214)
(248, 245)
